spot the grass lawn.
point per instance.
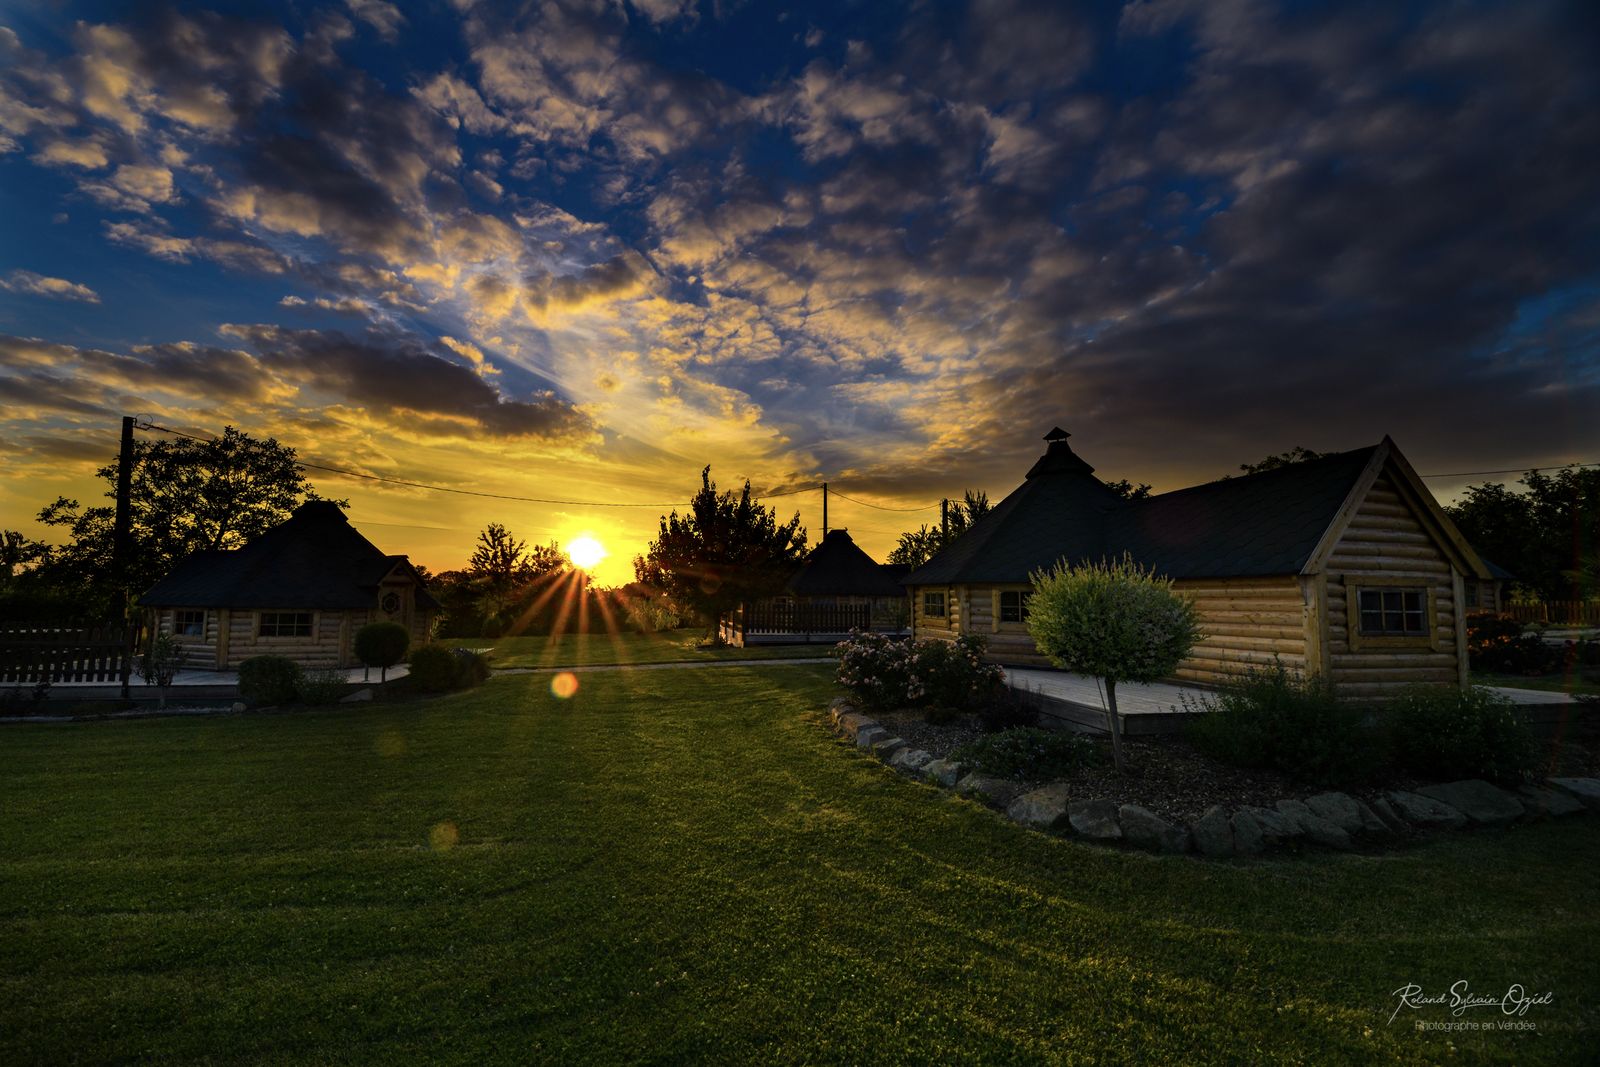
(1555, 683)
(576, 650)
(685, 865)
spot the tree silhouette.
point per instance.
(185, 496)
(726, 550)
(916, 547)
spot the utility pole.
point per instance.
(824, 510)
(121, 544)
(944, 521)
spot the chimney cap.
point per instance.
(1057, 434)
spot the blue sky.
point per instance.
(579, 250)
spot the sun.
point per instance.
(586, 552)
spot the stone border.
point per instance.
(1331, 820)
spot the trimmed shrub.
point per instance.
(1444, 733)
(433, 669)
(1273, 719)
(382, 644)
(1028, 752)
(322, 686)
(265, 680)
(472, 668)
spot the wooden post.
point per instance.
(944, 522)
(121, 544)
(824, 510)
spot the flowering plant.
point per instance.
(884, 672)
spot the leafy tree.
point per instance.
(917, 546)
(498, 557)
(1114, 620)
(1543, 534)
(1128, 491)
(185, 496)
(16, 552)
(1297, 454)
(726, 550)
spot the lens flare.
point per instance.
(444, 836)
(564, 685)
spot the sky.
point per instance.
(577, 251)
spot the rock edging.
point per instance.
(1330, 820)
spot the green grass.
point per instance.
(1554, 683)
(685, 865)
(578, 650)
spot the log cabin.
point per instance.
(301, 589)
(1343, 567)
(838, 588)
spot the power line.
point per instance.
(925, 507)
(1512, 470)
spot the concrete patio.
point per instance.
(1077, 701)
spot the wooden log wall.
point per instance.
(1248, 623)
(1385, 540)
(321, 649)
(947, 628)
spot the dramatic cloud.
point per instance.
(26, 281)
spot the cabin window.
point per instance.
(1014, 604)
(933, 605)
(285, 624)
(189, 623)
(1393, 612)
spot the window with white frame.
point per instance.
(187, 623)
(933, 604)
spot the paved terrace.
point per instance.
(1078, 700)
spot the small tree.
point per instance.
(1114, 620)
(382, 645)
(160, 663)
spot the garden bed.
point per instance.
(1173, 779)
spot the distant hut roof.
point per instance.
(838, 567)
(313, 560)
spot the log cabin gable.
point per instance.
(1389, 464)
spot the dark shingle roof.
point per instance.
(838, 567)
(314, 560)
(1259, 524)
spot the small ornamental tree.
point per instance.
(1114, 620)
(160, 663)
(382, 645)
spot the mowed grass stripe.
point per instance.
(684, 864)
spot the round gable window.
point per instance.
(390, 603)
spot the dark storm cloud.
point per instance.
(389, 372)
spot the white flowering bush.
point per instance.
(883, 672)
(1114, 620)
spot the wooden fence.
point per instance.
(783, 617)
(1569, 612)
(53, 653)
